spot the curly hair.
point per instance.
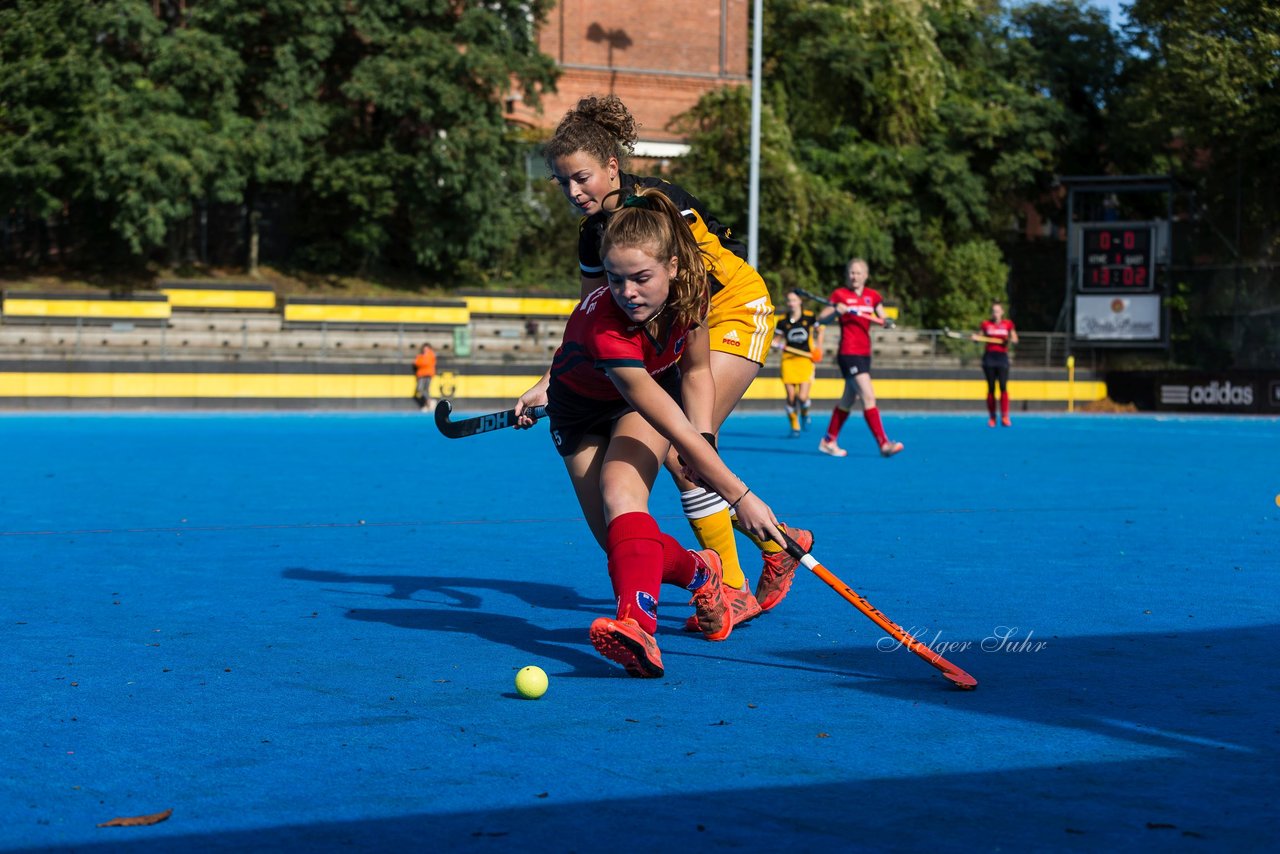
(602, 127)
(649, 221)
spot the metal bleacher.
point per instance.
(480, 328)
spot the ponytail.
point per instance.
(648, 220)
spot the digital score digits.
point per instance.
(1117, 258)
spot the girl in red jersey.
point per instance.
(586, 155)
(998, 334)
(852, 305)
(631, 379)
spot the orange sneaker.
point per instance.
(742, 607)
(710, 604)
(779, 570)
(991, 422)
(888, 449)
(622, 640)
(1005, 421)
(831, 449)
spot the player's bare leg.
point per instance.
(802, 401)
(707, 512)
(793, 408)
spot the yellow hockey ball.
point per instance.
(531, 682)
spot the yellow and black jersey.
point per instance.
(725, 256)
(797, 334)
(740, 319)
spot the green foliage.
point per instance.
(111, 115)
(546, 255)
(904, 156)
(972, 275)
(417, 152)
(910, 132)
(808, 227)
(1070, 53)
(383, 119)
(1202, 101)
(872, 65)
(45, 84)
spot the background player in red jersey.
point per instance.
(999, 334)
(852, 305)
(799, 337)
(618, 402)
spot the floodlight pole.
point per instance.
(753, 193)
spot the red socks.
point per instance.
(838, 417)
(642, 558)
(991, 404)
(872, 415)
(1004, 404)
(873, 421)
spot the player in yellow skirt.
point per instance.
(586, 155)
(799, 336)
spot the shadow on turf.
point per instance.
(456, 589)
(1199, 704)
(464, 614)
(1212, 692)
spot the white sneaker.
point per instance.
(832, 449)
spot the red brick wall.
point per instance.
(658, 56)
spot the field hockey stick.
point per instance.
(871, 316)
(796, 351)
(802, 292)
(954, 674)
(464, 427)
(983, 339)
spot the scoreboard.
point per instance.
(1117, 257)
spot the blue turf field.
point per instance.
(301, 632)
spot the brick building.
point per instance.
(659, 57)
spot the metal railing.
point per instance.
(923, 348)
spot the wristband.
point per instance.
(734, 506)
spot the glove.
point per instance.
(815, 355)
(888, 323)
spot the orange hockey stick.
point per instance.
(954, 674)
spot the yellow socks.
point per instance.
(708, 516)
(769, 547)
(793, 417)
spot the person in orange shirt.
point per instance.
(424, 366)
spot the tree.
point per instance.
(810, 226)
(1071, 54)
(417, 166)
(895, 131)
(383, 119)
(45, 82)
(1204, 91)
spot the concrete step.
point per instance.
(219, 321)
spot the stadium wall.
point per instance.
(134, 384)
(1222, 392)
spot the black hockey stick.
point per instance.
(464, 427)
(802, 292)
(886, 322)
